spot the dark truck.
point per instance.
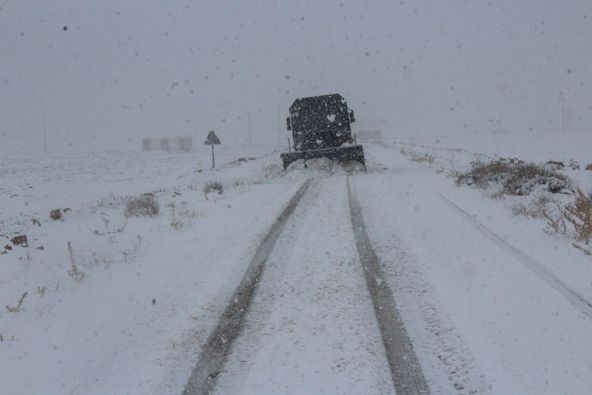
(321, 128)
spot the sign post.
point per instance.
(212, 140)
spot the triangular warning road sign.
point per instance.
(212, 139)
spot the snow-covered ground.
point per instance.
(487, 297)
(150, 292)
(479, 290)
(527, 145)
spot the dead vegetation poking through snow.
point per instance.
(514, 177)
(19, 304)
(176, 223)
(41, 290)
(579, 215)
(213, 186)
(573, 220)
(182, 216)
(417, 156)
(536, 208)
(555, 221)
(539, 185)
(145, 205)
(73, 271)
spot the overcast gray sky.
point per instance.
(109, 72)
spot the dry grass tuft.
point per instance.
(74, 272)
(182, 216)
(536, 208)
(573, 219)
(176, 223)
(213, 186)
(417, 156)
(145, 205)
(555, 223)
(514, 176)
(579, 215)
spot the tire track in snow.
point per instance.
(311, 328)
(406, 371)
(230, 323)
(574, 298)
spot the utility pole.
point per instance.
(279, 118)
(44, 135)
(250, 132)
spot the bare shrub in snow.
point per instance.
(74, 272)
(417, 157)
(555, 165)
(536, 208)
(186, 212)
(573, 219)
(112, 201)
(586, 251)
(527, 177)
(573, 164)
(555, 222)
(176, 223)
(56, 214)
(181, 216)
(579, 215)
(457, 175)
(7, 338)
(484, 174)
(514, 176)
(20, 240)
(213, 186)
(145, 205)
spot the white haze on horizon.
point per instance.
(108, 73)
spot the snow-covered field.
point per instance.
(117, 304)
(152, 287)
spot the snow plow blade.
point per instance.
(342, 154)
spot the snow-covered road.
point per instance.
(490, 302)
(312, 328)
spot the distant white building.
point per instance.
(184, 143)
(368, 130)
(369, 135)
